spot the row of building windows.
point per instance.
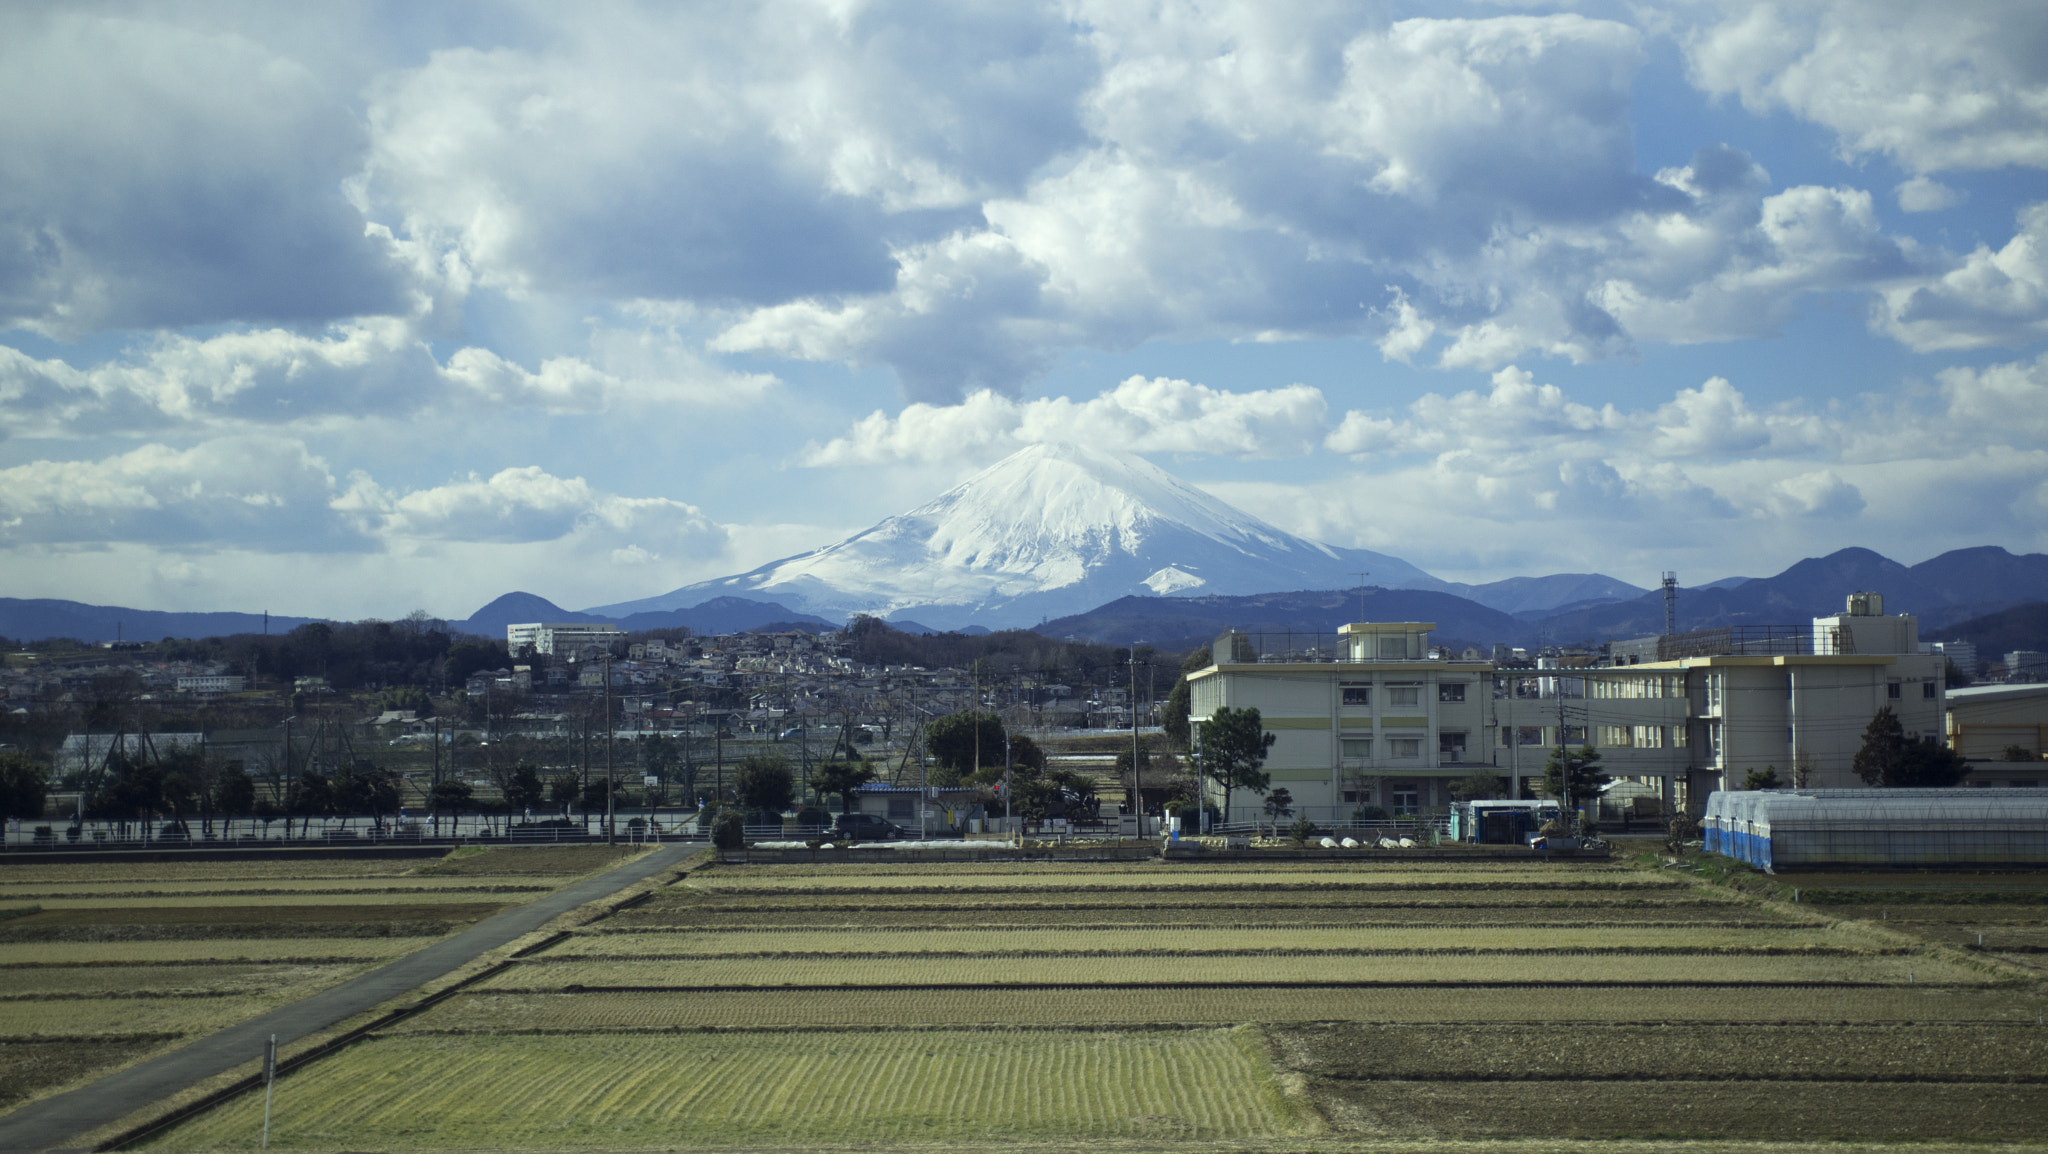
(1399, 696)
(1636, 688)
(1639, 736)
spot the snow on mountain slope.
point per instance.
(1048, 531)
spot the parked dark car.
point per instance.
(868, 827)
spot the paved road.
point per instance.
(50, 1123)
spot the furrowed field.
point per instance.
(1326, 1005)
(102, 964)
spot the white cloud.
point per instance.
(718, 155)
(260, 492)
(1922, 194)
(1256, 175)
(156, 174)
(2001, 404)
(1987, 299)
(529, 504)
(1933, 86)
(376, 368)
(1143, 415)
(1818, 494)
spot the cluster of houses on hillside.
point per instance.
(764, 679)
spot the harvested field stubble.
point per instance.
(86, 1017)
(1140, 940)
(252, 922)
(163, 981)
(430, 889)
(1164, 916)
(1694, 1051)
(1773, 1112)
(424, 1092)
(29, 1066)
(289, 950)
(995, 970)
(288, 902)
(1081, 1006)
(1362, 884)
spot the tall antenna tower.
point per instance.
(1670, 603)
(1362, 575)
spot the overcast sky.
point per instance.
(353, 309)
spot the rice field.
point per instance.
(125, 959)
(1160, 1005)
(273, 951)
(598, 1011)
(424, 1092)
(1162, 878)
(1408, 968)
(214, 891)
(173, 1017)
(1129, 941)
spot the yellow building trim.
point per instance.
(1299, 773)
(1404, 723)
(1295, 722)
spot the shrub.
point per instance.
(729, 829)
(1302, 830)
(811, 815)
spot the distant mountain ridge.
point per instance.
(41, 619)
(1177, 623)
(718, 615)
(1956, 585)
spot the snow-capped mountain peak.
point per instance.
(1049, 530)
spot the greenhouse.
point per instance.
(1803, 828)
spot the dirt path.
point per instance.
(51, 1123)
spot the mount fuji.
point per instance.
(1049, 531)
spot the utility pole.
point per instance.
(1564, 760)
(611, 829)
(1137, 780)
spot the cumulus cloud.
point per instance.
(1707, 482)
(1817, 494)
(1259, 177)
(1462, 191)
(1989, 298)
(716, 155)
(1143, 415)
(376, 368)
(254, 491)
(1933, 86)
(154, 174)
(272, 495)
(529, 504)
(1922, 194)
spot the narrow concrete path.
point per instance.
(50, 1123)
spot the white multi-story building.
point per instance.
(1740, 702)
(1366, 718)
(211, 683)
(1370, 720)
(568, 639)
